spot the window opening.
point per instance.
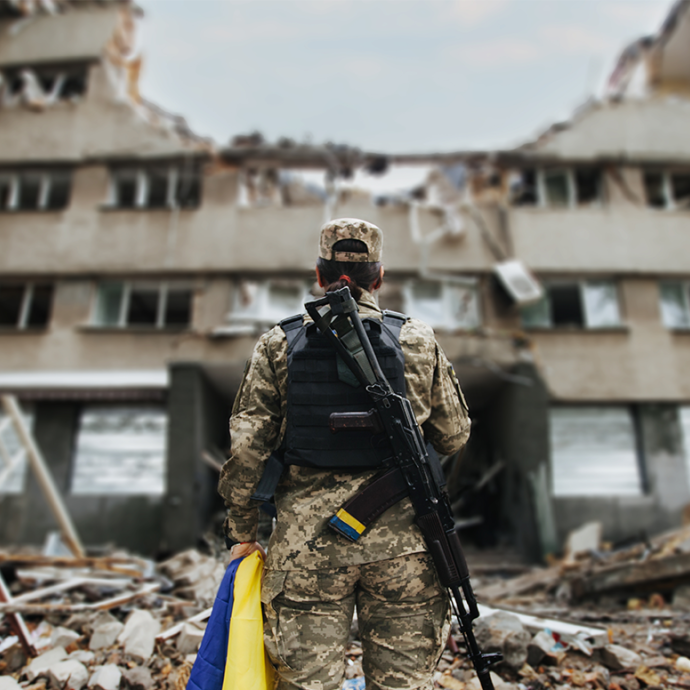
(25, 305)
(654, 189)
(143, 306)
(178, 307)
(680, 186)
(684, 414)
(566, 305)
(13, 461)
(557, 188)
(39, 306)
(11, 299)
(675, 304)
(157, 305)
(29, 191)
(120, 450)
(588, 185)
(157, 189)
(442, 304)
(583, 304)
(524, 188)
(593, 452)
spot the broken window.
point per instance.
(523, 188)
(443, 304)
(122, 304)
(266, 303)
(44, 85)
(582, 304)
(569, 187)
(593, 452)
(155, 187)
(35, 190)
(675, 304)
(557, 188)
(25, 306)
(13, 460)
(655, 189)
(120, 450)
(667, 189)
(588, 186)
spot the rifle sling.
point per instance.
(384, 491)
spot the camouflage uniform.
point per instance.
(313, 577)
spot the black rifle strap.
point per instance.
(384, 491)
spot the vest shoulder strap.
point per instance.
(394, 320)
(291, 326)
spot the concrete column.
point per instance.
(197, 420)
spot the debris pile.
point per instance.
(103, 623)
(617, 620)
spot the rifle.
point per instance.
(414, 473)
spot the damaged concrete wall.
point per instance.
(69, 36)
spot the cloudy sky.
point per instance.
(387, 75)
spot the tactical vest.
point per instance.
(320, 383)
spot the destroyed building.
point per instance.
(140, 263)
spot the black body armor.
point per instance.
(320, 383)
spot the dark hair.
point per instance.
(362, 274)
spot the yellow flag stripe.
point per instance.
(351, 521)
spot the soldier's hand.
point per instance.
(245, 549)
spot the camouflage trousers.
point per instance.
(403, 615)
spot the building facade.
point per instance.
(139, 263)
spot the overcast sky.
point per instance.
(388, 75)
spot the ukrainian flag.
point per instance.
(231, 655)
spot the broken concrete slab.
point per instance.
(9, 683)
(42, 663)
(616, 658)
(69, 674)
(139, 634)
(583, 540)
(189, 639)
(503, 632)
(106, 677)
(63, 637)
(540, 650)
(105, 635)
(82, 655)
(137, 678)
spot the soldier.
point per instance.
(314, 578)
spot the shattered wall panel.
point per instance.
(74, 35)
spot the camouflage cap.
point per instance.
(350, 229)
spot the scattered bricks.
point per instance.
(175, 566)
(616, 657)
(68, 674)
(137, 678)
(503, 632)
(189, 639)
(499, 683)
(9, 683)
(139, 634)
(43, 662)
(63, 637)
(107, 677)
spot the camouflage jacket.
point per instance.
(306, 498)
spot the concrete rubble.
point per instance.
(142, 631)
